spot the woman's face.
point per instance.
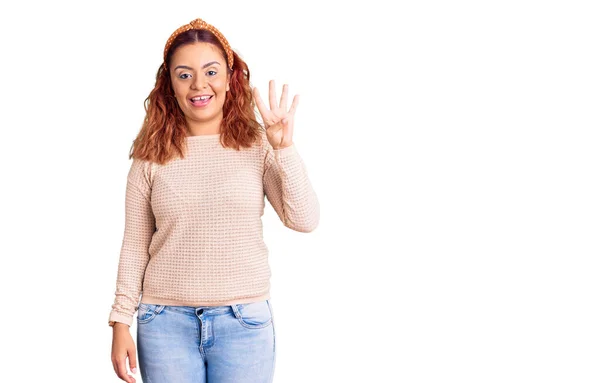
(199, 69)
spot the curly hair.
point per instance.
(163, 133)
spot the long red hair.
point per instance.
(163, 133)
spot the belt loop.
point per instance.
(236, 312)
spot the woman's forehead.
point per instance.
(197, 52)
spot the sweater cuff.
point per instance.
(285, 152)
(118, 317)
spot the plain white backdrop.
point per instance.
(453, 147)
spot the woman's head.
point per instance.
(197, 62)
(198, 70)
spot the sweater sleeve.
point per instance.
(289, 189)
(134, 256)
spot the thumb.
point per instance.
(133, 362)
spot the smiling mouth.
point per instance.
(200, 101)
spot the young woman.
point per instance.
(193, 242)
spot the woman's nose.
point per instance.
(199, 83)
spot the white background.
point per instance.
(453, 147)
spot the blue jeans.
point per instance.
(206, 344)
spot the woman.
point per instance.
(193, 245)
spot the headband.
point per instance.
(200, 24)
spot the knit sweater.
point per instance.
(193, 228)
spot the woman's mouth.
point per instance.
(200, 101)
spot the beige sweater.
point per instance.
(193, 228)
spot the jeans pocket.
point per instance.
(147, 312)
(254, 314)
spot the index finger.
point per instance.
(260, 104)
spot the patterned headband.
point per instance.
(200, 24)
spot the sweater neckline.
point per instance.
(200, 137)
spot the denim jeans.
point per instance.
(206, 344)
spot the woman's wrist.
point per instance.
(117, 325)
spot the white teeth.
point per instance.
(203, 98)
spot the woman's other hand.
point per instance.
(123, 347)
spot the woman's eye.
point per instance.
(183, 74)
(215, 72)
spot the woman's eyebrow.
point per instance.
(203, 66)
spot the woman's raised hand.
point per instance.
(279, 122)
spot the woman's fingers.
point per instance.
(115, 367)
(122, 372)
(272, 95)
(276, 112)
(284, 95)
(132, 360)
(260, 104)
(294, 104)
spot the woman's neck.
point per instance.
(196, 128)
